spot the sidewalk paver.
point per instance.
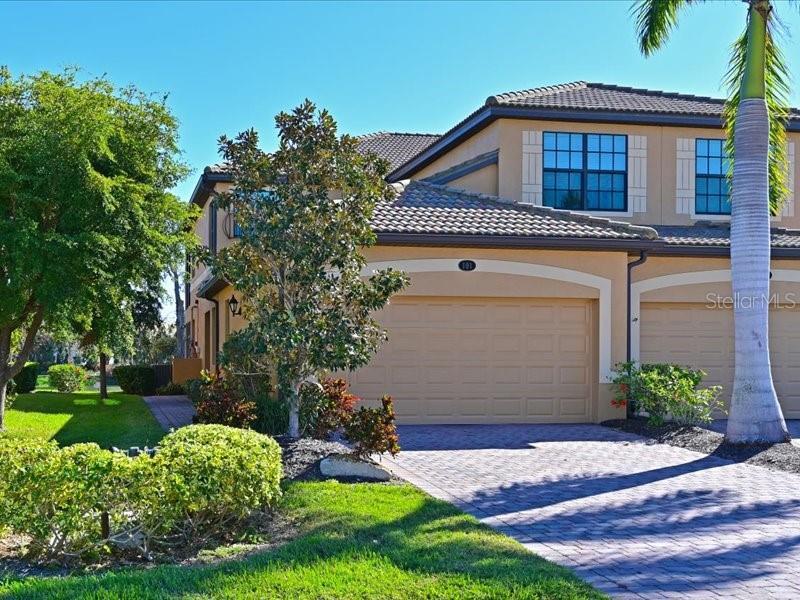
(171, 412)
(634, 518)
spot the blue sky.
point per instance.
(388, 66)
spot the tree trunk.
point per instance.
(294, 411)
(103, 375)
(180, 317)
(3, 386)
(755, 413)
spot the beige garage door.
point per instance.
(691, 334)
(484, 360)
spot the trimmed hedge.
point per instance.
(205, 480)
(136, 379)
(67, 378)
(26, 379)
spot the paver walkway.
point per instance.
(635, 519)
(171, 411)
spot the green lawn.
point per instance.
(121, 420)
(357, 541)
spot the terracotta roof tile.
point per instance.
(426, 208)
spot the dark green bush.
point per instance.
(136, 379)
(67, 378)
(193, 388)
(171, 389)
(26, 379)
(272, 415)
(665, 391)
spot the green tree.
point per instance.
(755, 115)
(305, 214)
(84, 209)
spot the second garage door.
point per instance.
(485, 360)
(693, 335)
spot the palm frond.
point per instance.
(777, 97)
(655, 19)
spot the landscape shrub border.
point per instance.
(136, 379)
(25, 380)
(67, 378)
(666, 391)
(204, 481)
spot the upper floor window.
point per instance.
(585, 171)
(711, 189)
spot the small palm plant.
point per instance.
(755, 116)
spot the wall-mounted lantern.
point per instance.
(233, 304)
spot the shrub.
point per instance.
(272, 414)
(171, 389)
(193, 387)
(209, 477)
(222, 402)
(56, 496)
(26, 378)
(326, 408)
(204, 481)
(373, 431)
(136, 379)
(665, 390)
(67, 378)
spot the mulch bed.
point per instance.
(301, 457)
(778, 457)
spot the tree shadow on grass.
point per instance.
(121, 420)
(432, 550)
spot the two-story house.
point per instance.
(551, 234)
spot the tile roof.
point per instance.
(427, 208)
(582, 95)
(719, 236)
(396, 148)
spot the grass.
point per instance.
(355, 541)
(121, 420)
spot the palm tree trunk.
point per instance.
(755, 414)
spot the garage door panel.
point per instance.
(701, 337)
(473, 360)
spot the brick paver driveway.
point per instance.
(637, 520)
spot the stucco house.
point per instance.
(551, 234)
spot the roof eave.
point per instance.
(205, 187)
(654, 247)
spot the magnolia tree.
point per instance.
(85, 216)
(305, 212)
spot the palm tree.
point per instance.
(755, 115)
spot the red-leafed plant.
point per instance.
(222, 402)
(373, 431)
(326, 408)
